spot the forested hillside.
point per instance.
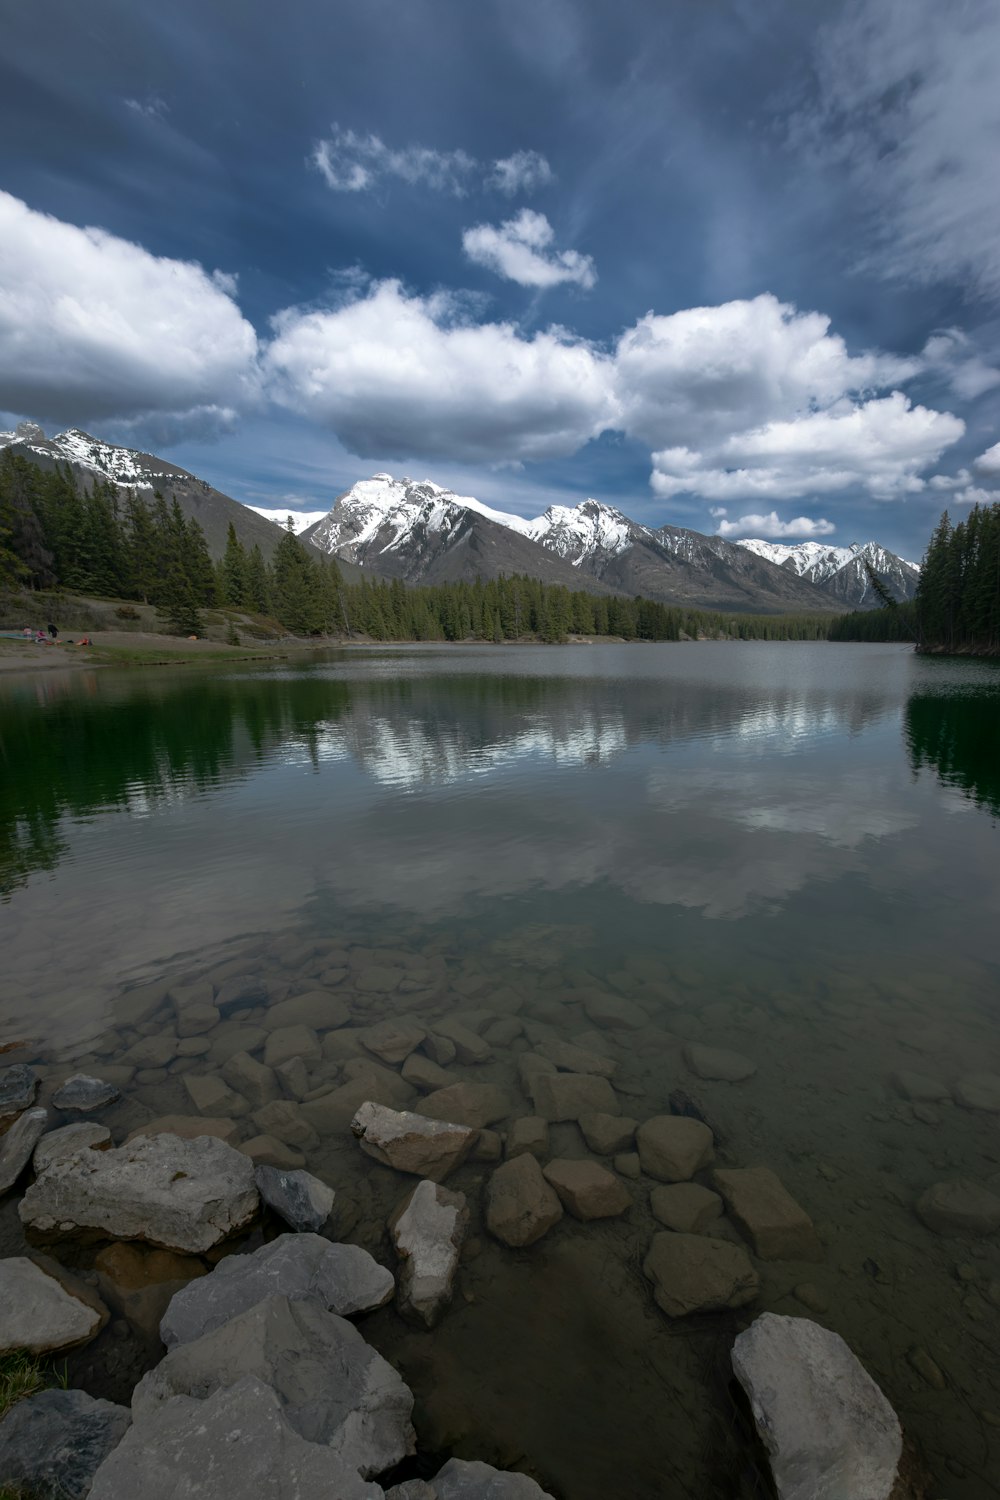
(958, 600)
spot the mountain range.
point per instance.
(423, 533)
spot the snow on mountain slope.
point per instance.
(394, 512)
(815, 560)
(577, 533)
(302, 519)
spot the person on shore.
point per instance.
(41, 639)
(53, 632)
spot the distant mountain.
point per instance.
(90, 458)
(840, 571)
(422, 533)
(426, 534)
(301, 519)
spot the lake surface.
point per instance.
(790, 850)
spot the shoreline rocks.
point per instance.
(428, 1230)
(520, 1205)
(763, 1210)
(826, 1425)
(410, 1142)
(39, 1314)
(692, 1273)
(185, 1195)
(18, 1145)
(54, 1442)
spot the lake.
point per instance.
(787, 850)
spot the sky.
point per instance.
(730, 265)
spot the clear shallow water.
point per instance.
(787, 849)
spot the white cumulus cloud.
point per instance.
(394, 374)
(520, 249)
(93, 326)
(988, 463)
(952, 354)
(771, 526)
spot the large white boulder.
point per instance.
(828, 1430)
(39, 1314)
(428, 1230)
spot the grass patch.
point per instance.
(21, 1375)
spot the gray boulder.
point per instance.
(52, 1444)
(342, 1278)
(827, 1428)
(17, 1146)
(460, 1480)
(334, 1389)
(178, 1194)
(428, 1230)
(84, 1094)
(38, 1314)
(18, 1087)
(236, 1443)
(411, 1143)
(297, 1197)
(68, 1140)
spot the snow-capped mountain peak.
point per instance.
(577, 532)
(815, 560)
(841, 570)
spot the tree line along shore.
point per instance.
(57, 536)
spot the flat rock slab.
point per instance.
(587, 1190)
(52, 1444)
(919, 1087)
(18, 1144)
(777, 1227)
(38, 1314)
(84, 1094)
(344, 1279)
(686, 1207)
(979, 1091)
(469, 1047)
(473, 1104)
(236, 1443)
(959, 1208)
(86, 1135)
(189, 1127)
(719, 1064)
(672, 1148)
(410, 1143)
(613, 1012)
(301, 1199)
(320, 1009)
(334, 1388)
(393, 1041)
(567, 1096)
(428, 1230)
(462, 1480)
(691, 1273)
(18, 1087)
(827, 1427)
(287, 1042)
(571, 1058)
(177, 1194)
(520, 1205)
(608, 1134)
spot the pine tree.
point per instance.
(233, 571)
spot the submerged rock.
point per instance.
(38, 1314)
(18, 1145)
(344, 1279)
(613, 1012)
(188, 1127)
(693, 1273)
(18, 1087)
(568, 1096)
(827, 1427)
(685, 1207)
(960, 1207)
(979, 1091)
(462, 1480)
(297, 1197)
(571, 1058)
(179, 1195)
(673, 1148)
(718, 1063)
(84, 1094)
(428, 1230)
(334, 1389)
(608, 1134)
(393, 1041)
(236, 1443)
(410, 1143)
(528, 1134)
(520, 1205)
(474, 1104)
(139, 1283)
(587, 1190)
(776, 1226)
(52, 1444)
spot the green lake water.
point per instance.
(789, 850)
